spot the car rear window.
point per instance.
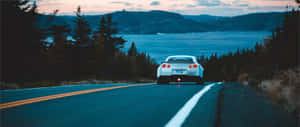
(180, 60)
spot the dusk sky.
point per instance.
(189, 7)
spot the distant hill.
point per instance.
(251, 22)
(202, 18)
(138, 22)
(167, 22)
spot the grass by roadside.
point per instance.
(244, 107)
(283, 89)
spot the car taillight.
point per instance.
(169, 65)
(190, 66)
(195, 65)
(164, 65)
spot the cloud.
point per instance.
(267, 8)
(243, 5)
(135, 9)
(121, 2)
(240, 3)
(209, 2)
(49, 3)
(191, 6)
(155, 3)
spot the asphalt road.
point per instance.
(142, 105)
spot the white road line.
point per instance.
(184, 112)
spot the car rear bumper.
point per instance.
(184, 73)
(183, 78)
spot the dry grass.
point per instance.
(271, 88)
(243, 79)
(284, 89)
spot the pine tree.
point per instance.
(112, 44)
(132, 51)
(59, 33)
(100, 31)
(110, 26)
(82, 29)
(106, 29)
(58, 58)
(20, 38)
(81, 53)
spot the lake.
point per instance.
(159, 46)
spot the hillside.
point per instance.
(156, 22)
(138, 22)
(254, 21)
(203, 18)
(167, 22)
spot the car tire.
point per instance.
(161, 81)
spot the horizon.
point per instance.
(171, 12)
(187, 7)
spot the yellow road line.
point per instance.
(50, 97)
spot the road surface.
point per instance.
(213, 104)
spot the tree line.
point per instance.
(279, 52)
(27, 56)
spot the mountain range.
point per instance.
(168, 22)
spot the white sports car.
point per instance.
(180, 68)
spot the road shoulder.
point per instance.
(243, 107)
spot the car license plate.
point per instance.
(179, 72)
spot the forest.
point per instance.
(271, 68)
(279, 52)
(27, 57)
(96, 54)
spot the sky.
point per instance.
(186, 7)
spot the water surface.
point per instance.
(159, 46)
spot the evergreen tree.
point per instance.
(284, 46)
(20, 38)
(59, 32)
(81, 52)
(57, 52)
(100, 31)
(58, 56)
(132, 51)
(112, 44)
(82, 29)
